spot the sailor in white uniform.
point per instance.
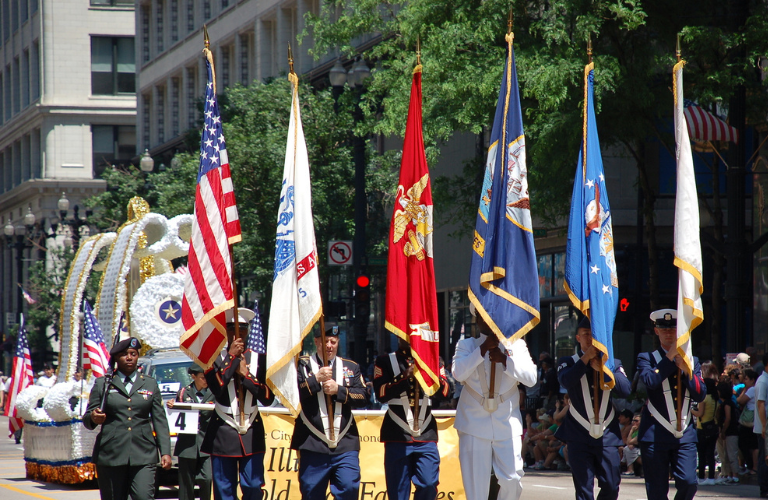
(489, 424)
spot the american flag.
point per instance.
(256, 333)
(95, 354)
(208, 292)
(22, 378)
(706, 126)
(26, 295)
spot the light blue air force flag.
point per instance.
(590, 266)
(503, 280)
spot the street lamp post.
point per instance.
(356, 77)
(78, 226)
(15, 238)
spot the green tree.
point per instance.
(256, 122)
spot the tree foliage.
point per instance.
(463, 49)
(255, 126)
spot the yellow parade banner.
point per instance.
(281, 463)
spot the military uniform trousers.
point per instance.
(225, 471)
(417, 462)
(478, 455)
(195, 471)
(120, 481)
(592, 461)
(657, 458)
(316, 470)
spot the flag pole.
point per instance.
(294, 79)
(416, 384)
(596, 375)
(510, 37)
(237, 334)
(678, 53)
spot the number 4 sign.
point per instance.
(182, 421)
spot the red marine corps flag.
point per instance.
(411, 308)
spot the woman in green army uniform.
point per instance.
(133, 428)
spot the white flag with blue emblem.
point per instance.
(296, 304)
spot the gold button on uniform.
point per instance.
(129, 418)
(129, 400)
(129, 428)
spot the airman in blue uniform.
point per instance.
(662, 443)
(593, 440)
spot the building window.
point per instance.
(34, 3)
(113, 70)
(190, 16)
(175, 90)
(112, 144)
(225, 67)
(206, 9)
(190, 105)
(36, 153)
(34, 71)
(174, 21)
(16, 85)
(144, 34)
(224, 4)
(25, 157)
(551, 270)
(160, 29)
(7, 92)
(244, 54)
(145, 101)
(16, 163)
(110, 3)
(24, 11)
(14, 14)
(25, 78)
(160, 110)
(6, 20)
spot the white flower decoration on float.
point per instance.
(156, 310)
(56, 403)
(26, 404)
(74, 289)
(113, 297)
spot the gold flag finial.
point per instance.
(510, 21)
(418, 50)
(589, 47)
(205, 37)
(678, 52)
(290, 59)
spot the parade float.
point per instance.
(138, 279)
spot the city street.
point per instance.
(536, 485)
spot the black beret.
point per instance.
(129, 343)
(331, 330)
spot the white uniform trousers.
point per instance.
(476, 456)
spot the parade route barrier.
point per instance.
(281, 463)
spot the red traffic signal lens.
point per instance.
(363, 281)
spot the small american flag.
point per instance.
(95, 354)
(27, 296)
(706, 126)
(208, 292)
(22, 378)
(256, 333)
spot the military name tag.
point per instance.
(182, 421)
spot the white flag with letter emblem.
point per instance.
(296, 303)
(687, 243)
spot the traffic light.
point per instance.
(362, 298)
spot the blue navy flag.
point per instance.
(503, 279)
(590, 266)
(256, 333)
(95, 353)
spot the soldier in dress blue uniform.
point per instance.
(410, 440)
(231, 443)
(593, 447)
(322, 459)
(194, 466)
(661, 444)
